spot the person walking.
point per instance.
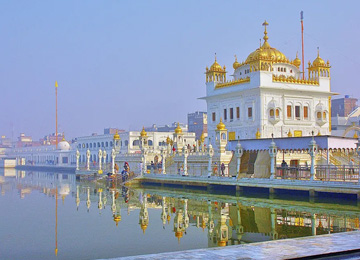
(222, 168)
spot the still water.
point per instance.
(53, 216)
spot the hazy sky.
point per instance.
(132, 63)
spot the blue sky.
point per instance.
(132, 63)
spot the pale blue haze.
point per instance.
(132, 63)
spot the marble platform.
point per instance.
(277, 249)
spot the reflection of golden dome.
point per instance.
(143, 132)
(179, 235)
(117, 219)
(168, 218)
(222, 243)
(236, 64)
(178, 129)
(143, 227)
(297, 61)
(266, 52)
(221, 125)
(116, 136)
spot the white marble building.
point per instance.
(269, 95)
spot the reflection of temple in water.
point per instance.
(224, 223)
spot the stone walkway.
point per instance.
(278, 249)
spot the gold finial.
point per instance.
(63, 139)
(235, 57)
(318, 49)
(265, 32)
(215, 56)
(221, 125)
(143, 132)
(355, 135)
(290, 134)
(116, 135)
(178, 129)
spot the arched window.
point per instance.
(223, 136)
(106, 144)
(87, 145)
(318, 115)
(150, 142)
(272, 114)
(324, 115)
(136, 143)
(126, 142)
(90, 145)
(102, 144)
(94, 145)
(111, 144)
(277, 113)
(98, 144)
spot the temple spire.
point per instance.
(265, 32)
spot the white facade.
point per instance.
(269, 96)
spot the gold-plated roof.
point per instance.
(178, 129)
(143, 132)
(221, 125)
(144, 227)
(117, 219)
(216, 67)
(266, 52)
(116, 136)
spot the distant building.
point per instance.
(5, 142)
(166, 128)
(197, 123)
(343, 106)
(112, 131)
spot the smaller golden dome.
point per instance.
(236, 64)
(178, 129)
(216, 66)
(116, 136)
(290, 134)
(143, 132)
(222, 243)
(318, 61)
(258, 134)
(221, 125)
(117, 219)
(355, 135)
(297, 61)
(168, 140)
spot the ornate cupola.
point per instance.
(236, 64)
(143, 138)
(221, 136)
(297, 61)
(318, 68)
(178, 138)
(265, 56)
(216, 73)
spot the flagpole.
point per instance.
(302, 42)
(56, 120)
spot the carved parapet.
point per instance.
(293, 80)
(232, 83)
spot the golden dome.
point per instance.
(216, 66)
(116, 136)
(266, 52)
(318, 61)
(143, 132)
(221, 125)
(178, 129)
(297, 61)
(236, 64)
